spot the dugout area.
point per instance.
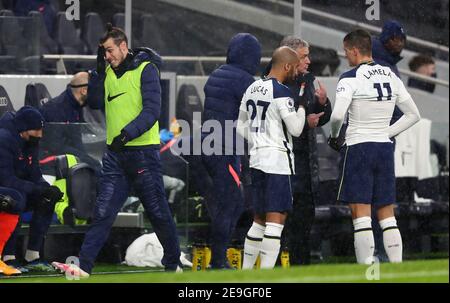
(191, 36)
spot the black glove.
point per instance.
(52, 194)
(7, 204)
(334, 143)
(101, 63)
(119, 142)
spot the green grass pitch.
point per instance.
(410, 271)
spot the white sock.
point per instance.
(392, 239)
(270, 245)
(252, 245)
(31, 255)
(8, 258)
(364, 242)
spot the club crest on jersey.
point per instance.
(290, 105)
(302, 89)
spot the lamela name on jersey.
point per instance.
(377, 72)
(370, 93)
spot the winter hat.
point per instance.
(392, 29)
(28, 118)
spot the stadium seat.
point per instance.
(151, 34)
(55, 4)
(5, 103)
(81, 188)
(188, 102)
(40, 43)
(36, 95)
(47, 44)
(67, 37)
(69, 41)
(6, 63)
(328, 170)
(118, 20)
(93, 29)
(325, 62)
(11, 29)
(6, 12)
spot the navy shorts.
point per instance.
(270, 192)
(368, 174)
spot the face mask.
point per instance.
(33, 141)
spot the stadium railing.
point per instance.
(347, 21)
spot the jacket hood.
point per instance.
(146, 54)
(7, 121)
(136, 57)
(244, 51)
(379, 51)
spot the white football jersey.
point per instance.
(370, 91)
(267, 102)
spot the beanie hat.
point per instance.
(392, 29)
(28, 118)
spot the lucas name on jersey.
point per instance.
(259, 89)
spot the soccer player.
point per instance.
(369, 93)
(268, 119)
(130, 91)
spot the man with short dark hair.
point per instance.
(130, 90)
(22, 187)
(424, 65)
(368, 93)
(386, 50)
(387, 47)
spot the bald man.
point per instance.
(67, 108)
(268, 120)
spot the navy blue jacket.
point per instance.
(19, 162)
(227, 84)
(305, 146)
(383, 57)
(150, 90)
(64, 108)
(67, 138)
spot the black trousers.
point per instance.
(297, 231)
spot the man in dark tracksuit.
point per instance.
(223, 94)
(386, 50)
(67, 108)
(21, 180)
(305, 182)
(130, 90)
